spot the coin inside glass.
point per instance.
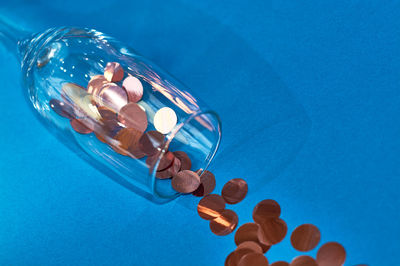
(133, 88)
(185, 160)
(112, 96)
(95, 84)
(133, 116)
(113, 72)
(234, 191)
(151, 142)
(225, 223)
(165, 120)
(170, 171)
(127, 141)
(62, 109)
(80, 126)
(166, 161)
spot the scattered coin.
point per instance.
(207, 184)
(210, 206)
(234, 191)
(280, 263)
(62, 109)
(234, 257)
(248, 232)
(170, 171)
(113, 72)
(272, 231)
(253, 259)
(305, 237)
(185, 160)
(133, 88)
(133, 116)
(151, 142)
(165, 120)
(266, 209)
(112, 96)
(185, 181)
(80, 126)
(331, 254)
(303, 260)
(254, 246)
(225, 223)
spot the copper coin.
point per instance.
(113, 72)
(165, 120)
(133, 116)
(303, 260)
(234, 257)
(272, 231)
(127, 141)
(185, 181)
(100, 137)
(151, 142)
(133, 88)
(95, 84)
(211, 206)
(185, 160)
(165, 162)
(305, 237)
(170, 171)
(266, 209)
(80, 126)
(225, 223)
(207, 184)
(280, 263)
(234, 191)
(331, 254)
(107, 114)
(248, 232)
(112, 96)
(253, 259)
(254, 246)
(62, 109)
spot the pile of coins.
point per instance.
(110, 108)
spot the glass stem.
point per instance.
(13, 37)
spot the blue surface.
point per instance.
(308, 92)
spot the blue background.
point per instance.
(308, 92)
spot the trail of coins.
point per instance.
(110, 108)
